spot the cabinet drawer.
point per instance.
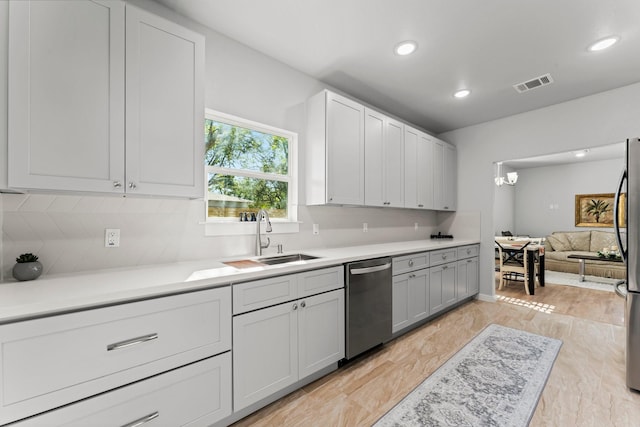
(257, 294)
(408, 263)
(443, 256)
(195, 395)
(468, 251)
(317, 281)
(57, 360)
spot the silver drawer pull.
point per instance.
(410, 263)
(143, 420)
(444, 257)
(132, 341)
(469, 260)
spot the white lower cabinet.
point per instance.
(410, 298)
(467, 281)
(276, 346)
(442, 286)
(195, 395)
(54, 361)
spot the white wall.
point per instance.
(545, 196)
(587, 122)
(67, 231)
(504, 207)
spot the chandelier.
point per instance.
(511, 179)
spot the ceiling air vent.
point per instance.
(533, 83)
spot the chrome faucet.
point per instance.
(259, 245)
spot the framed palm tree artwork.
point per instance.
(597, 210)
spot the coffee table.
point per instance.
(582, 258)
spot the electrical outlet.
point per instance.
(111, 237)
(365, 227)
(316, 228)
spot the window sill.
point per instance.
(247, 228)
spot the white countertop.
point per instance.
(52, 294)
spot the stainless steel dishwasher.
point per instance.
(368, 311)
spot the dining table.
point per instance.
(534, 251)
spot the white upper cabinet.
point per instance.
(66, 95)
(68, 88)
(445, 170)
(165, 107)
(384, 160)
(418, 169)
(334, 150)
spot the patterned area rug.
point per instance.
(494, 380)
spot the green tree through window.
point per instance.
(247, 169)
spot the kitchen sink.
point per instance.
(284, 259)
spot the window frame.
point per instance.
(233, 226)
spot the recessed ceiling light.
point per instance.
(462, 93)
(406, 47)
(603, 43)
(581, 153)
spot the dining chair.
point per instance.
(513, 268)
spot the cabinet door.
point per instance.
(400, 303)
(424, 175)
(410, 167)
(265, 353)
(418, 169)
(393, 155)
(418, 295)
(438, 175)
(384, 160)
(436, 302)
(345, 151)
(66, 95)
(449, 283)
(374, 130)
(442, 287)
(473, 284)
(164, 107)
(450, 177)
(462, 280)
(320, 331)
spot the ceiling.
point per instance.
(604, 152)
(486, 46)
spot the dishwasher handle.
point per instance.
(370, 269)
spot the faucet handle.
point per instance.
(265, 245)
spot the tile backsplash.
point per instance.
(67, 231)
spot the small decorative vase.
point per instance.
(27, 270)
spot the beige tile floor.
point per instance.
(586, 386)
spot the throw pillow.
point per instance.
(559, 242)
(579, 240)
(602, 239)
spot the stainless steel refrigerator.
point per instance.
(629, 214)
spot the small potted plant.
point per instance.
(27, 267)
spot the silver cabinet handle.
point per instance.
(445, 267)
(444, 257)
(469, 260)
(117, 184)
(412, 276)
(303, 304)
(132, 185)
(295, 307)
(420, 206)
(142, 420)
(410, 263)
(131, 342)
(468, 251)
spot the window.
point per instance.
(248, 166)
